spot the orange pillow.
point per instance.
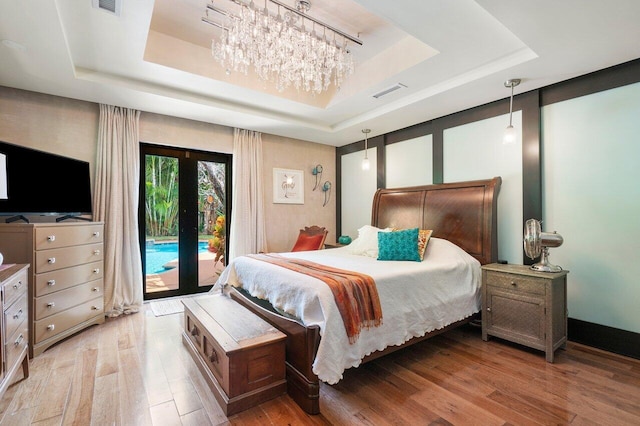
(308, 242)
(423, 239)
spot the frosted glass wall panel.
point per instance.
(476, 151)
(358, 188)
(591, 196)
(409, 163)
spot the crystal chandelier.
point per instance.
(280, 46)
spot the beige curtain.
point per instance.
(247, 233)
(116, 204)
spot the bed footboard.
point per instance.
(302, 344)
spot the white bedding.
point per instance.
(416, 297)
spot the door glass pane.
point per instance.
(161, 223)
(212, 222)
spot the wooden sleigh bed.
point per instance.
(463, 213)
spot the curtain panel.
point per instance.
(115, 202)
(247, 232)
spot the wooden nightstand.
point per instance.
(333, 245)
(525, 306)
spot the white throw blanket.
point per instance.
(416, 298)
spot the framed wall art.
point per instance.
(288, 186)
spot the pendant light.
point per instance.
(365, 161)
(510, 131)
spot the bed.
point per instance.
(463, 219)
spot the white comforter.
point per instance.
(416, 297)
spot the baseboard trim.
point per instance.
(610, 339)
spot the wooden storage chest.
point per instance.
(241, 356)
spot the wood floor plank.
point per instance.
(134, 370)
(134, 408)
(57, 391)
(80, 401)
(211, 407)
(106, 404)
(196, 418)
(457, 378)
(165, 414)
(107, 349)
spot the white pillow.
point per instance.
(367, 242)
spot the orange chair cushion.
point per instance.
(309, 242)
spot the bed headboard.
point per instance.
(464, 213)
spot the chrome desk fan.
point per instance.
(537, 243)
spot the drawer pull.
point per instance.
(17, 285)
(489, 309)
(51, 283)
(51, 238)
(51, 327)
(95, 308)
(51, 305)
(96, 271)
(51, 260)
(213, 357)
(95, 289)
(17, 314)
(96, 234)
(194, 331)
(513, 283)
(96, 252)
(19, 340)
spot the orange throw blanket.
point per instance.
(355, 294)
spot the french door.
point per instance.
(183, 219)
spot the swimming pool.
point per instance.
(158, 254)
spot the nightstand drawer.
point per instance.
(515, 282)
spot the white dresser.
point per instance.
(65, 280)
(14, 329)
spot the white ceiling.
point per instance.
(451, 55)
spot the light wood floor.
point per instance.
(134, 370)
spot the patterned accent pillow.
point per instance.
(423, 239)
(399, 245)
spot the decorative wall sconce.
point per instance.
(317, 172)
(326, 188)
(365, 160)
(510, 132)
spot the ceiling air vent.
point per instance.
(111, 6)
(389, 90)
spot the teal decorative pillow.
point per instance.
(399, 245)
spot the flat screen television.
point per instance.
(40, 183)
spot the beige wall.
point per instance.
(285, 220)
(70, 127)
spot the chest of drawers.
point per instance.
(66, 279)
(15, 324)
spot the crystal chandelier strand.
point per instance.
(280, 51)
